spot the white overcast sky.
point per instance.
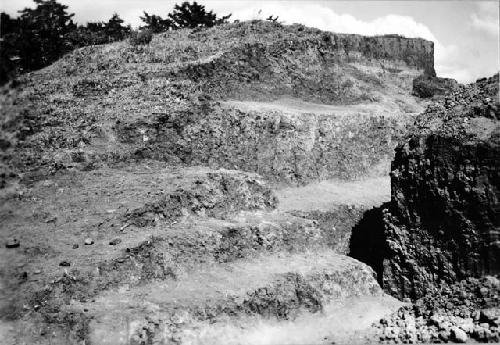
(465, 33)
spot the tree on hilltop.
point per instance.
(8, 52)
(41, 35)
(115, 29)
(194, 15)
(95, 33)
(35, 39)
(43, 32)
(185, 15)
(156, 24)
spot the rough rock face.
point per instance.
(443, 219)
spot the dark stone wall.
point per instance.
(443, 222)
(444, 219)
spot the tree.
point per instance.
(34, 39)
(194, 15)
(156, 24)
(44, 30)
(42, 35)
(115, 30)
(8, 25)
(8, 53)
(92, 34)
(100, 32)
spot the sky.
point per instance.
(465, 33)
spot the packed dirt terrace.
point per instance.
(115, 247)
(202, 189)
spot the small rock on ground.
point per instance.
(89, 241)
(12, 243)
(459, 335)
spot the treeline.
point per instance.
(40, 36)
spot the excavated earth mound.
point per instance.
(201, 189)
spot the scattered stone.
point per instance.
(115, 241)
(444, 335)
(490, 316)
(484, 291)
(484, 325)
(458, 335)
(52, 219)
(452, 311)
(64, 263)
(12, 243)
(124, 227)
(47, 183)
(89, 241)
(75, 246)
(37, 271)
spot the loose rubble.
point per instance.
(469, 309)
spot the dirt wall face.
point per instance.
(414, 52)
(118, 90)
(443, 219)
(318, 67)
(292, 149)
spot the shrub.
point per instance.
(139, 38)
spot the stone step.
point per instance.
(173, 251)
(148, 254)
(279, 286)
(343, 321)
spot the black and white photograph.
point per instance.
(220, 172)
